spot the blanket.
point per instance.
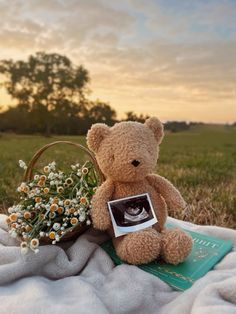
(79, 277)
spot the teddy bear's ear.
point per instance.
(157, 128)
(96, 135)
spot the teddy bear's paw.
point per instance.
(139, 247)
(176, 245)
(102, 222)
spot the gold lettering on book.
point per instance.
(205, 243)
(173, 273)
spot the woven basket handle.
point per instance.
(29, 171)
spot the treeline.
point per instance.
(62, 120)
(22, 120)
(51, 96)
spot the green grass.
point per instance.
(200, 162)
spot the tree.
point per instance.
(47, 84)
(15, 118)
(131, 116)
(103, 113)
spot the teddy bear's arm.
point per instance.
(172, 196)
(99, 212)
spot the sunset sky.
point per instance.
(173, 59)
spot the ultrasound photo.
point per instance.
(131, 214)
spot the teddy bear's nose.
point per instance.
(135, 163)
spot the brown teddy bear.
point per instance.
(127, 154)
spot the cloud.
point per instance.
(158, 57)
(194, 81)
(190, 21)
(62, 22)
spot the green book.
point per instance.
(206, 253)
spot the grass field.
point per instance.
(200, 162)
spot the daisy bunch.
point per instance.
(52, 204)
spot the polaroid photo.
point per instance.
(131, 214)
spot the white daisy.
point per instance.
(56, 226)
(24, 247)
(34, 243)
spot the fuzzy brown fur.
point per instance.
(115, 148)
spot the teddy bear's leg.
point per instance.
(176, 245)
(139, 247)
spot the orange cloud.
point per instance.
(140, 57)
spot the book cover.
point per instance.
(206, 253)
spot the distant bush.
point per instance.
(177, 126)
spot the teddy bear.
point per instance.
(127, 154)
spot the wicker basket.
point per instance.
(29, 175)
